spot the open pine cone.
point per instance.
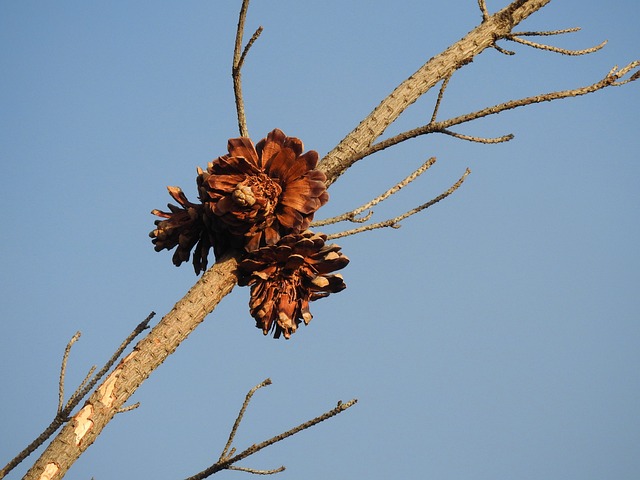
(285, 277)
(185, 229)
(264, 192)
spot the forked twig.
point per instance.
(243, 409)
(611, 79)
(353, 214)
(229, 458)
(63, 413)
(239, 55)
(395, 222)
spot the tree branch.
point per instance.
(239, 56)
(228, 457)
(395, 222)
(611, 79)
(220, 279)
(63, 413)
(123, 381)
(353, 214)
(498, 25)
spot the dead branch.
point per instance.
(62, 414)
(395, 222)
(63, 369)
(496, 26)
(611, 79)
(220, 279)
(149, 353)
(443, 87)
(239, 55)
(228, 458)
(551, 48)
(352, 216)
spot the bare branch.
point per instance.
(63, 369)
(611, 79)
(62, 415)
(236, 424)
(546, 33)
(258, 472)
(504, 51)
(129, 408)
(83, 384)
(239, 55)
(445, 82)
(147, 355)
(469, 138)
(351, 216)
(551, 48)
(141, 327)
(229, 461)
(439, 67)
(395, 222)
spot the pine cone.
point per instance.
(264, 192)
(285, 277)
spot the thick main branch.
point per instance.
(435, 70)
(82, 430)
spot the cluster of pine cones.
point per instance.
(259, 200)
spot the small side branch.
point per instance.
(483, 9)
(469, 138)
(395, 222)
(239, 55)
(240, 416)
(613, 78)
(352, 216)
(63, 412)
(443, 87)
(63, 370)
(551, 48)
(229, 458)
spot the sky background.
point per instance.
(494, 336)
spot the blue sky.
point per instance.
(494, 336)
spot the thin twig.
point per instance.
(551, 48)
(546, 33)
(62, 416)
(129, 408)
(236, 424)
(258, 472)
(142, 326)
(239, 55)
(611, 79)
(469, 138)
(395, 222)
(483, 8)
(229, 461)
(63, 369)
(502, 50)
(84, 381)
(351, 216)
(445, 82)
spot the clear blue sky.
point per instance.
(494, 336)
